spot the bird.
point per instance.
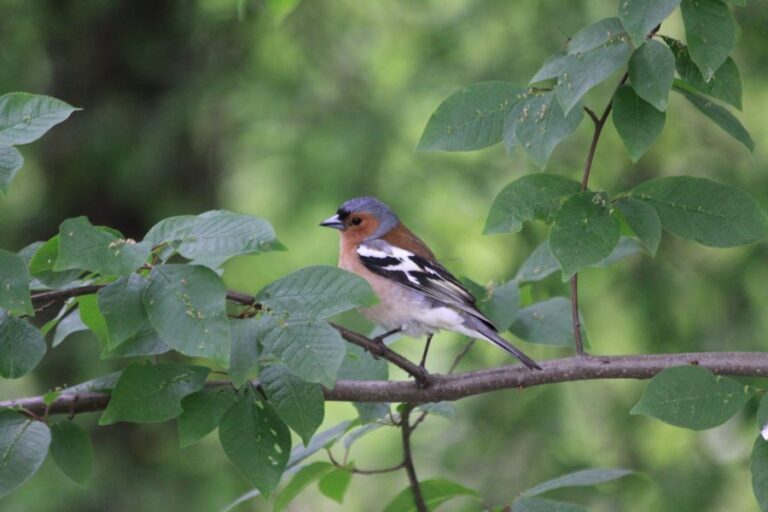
(417, 295)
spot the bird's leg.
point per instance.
(381, 337)
(379, 340)
(426, 349)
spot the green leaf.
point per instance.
(584, 232)
(317, 292)
(300, 481)
(202, 412)
(540, 125)
(547, 323)
(147, 393)
(92, 317)
(14, 284)
(470, 119)
(21, 346)
(598, 34)
(256, 441)
(582, 478)
(246, 350)
(651, 72)
(539, 265)
(552, 67)
(23, 445)
(299, 404)
(87, 247)
(443, 409)
(502, 304)
(711, 213)
(368, 412)
(724, 85)
(186, 304)
(542, 505)
(435, 491)
(146, 342)
(10, 163)
(313, 351)
(588, 69)
(123, 308)
(72, 450)
(534, 196)
(42, 263)
(643, 220)
(359, 364)
(639, 17)
(720, 116)
(99, 384)
(218, 235)
(334, 485)
(759, 467)
(762, 417)
(711, 33)
(26, 117)
(637, 121)
(692, 397)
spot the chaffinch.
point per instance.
(417, 295)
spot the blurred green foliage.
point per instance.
(202, 104)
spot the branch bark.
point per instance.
(454, 387)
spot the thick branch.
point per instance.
(454, 387)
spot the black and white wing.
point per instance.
(415, 272)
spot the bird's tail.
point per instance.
(487, 333)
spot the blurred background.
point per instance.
(285, 113)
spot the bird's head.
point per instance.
(362, 218)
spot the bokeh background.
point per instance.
(200, 104)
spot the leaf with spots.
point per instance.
(300, 404)
(186, 304)
(123, 308)
(256, 441)
(317, 292)
(708, 212)
(692, 397)
(547, 323)
(711, 33)
(540, 125)
(584, 232)
(86, 247)
(148, 393)
(202, 412)
(721, 116)
(25, 117)
(14, 284)
(639, 17)
(534, 196)
(43, 261)
(470, 119)
(313, 351)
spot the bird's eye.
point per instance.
(356, 221)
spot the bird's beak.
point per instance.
(333, 222)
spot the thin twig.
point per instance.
(406, 430)
(599, 123)
(461, 385)
(460, 356)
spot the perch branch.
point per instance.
(461, 385)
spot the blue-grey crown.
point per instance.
(387, 219)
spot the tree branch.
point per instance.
(406, 429)
(454, 387)
(599, 123)
(377, 349)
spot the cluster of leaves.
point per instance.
(143, 299)
(593, 228)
